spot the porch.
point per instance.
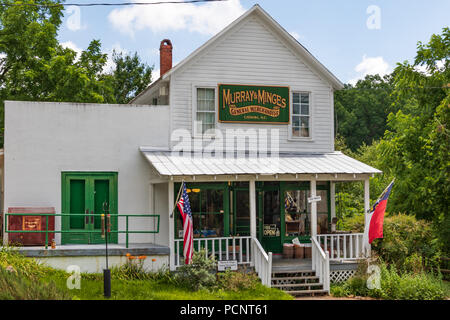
(244, 209)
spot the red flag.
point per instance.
(377, 215)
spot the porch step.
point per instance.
(296, 278)
(299, 282)
(308, 292)
(292, 272)
(290, 285)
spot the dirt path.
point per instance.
(327, 297)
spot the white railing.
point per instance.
(344, 246)
(223, 248)
(262, 262)
(321, 264)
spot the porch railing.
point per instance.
(262, 262)
(344, 246)
(47, 231)
(321, 264)
(222, 248)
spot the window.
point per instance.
(206, 110)
(298, 212)
(301, 115)
(207, 206)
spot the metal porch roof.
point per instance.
(169, 163)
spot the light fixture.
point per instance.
(196, 190)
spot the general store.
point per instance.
(246, 121)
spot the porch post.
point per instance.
(171, 227)
(366, 207)
(252, 197)
(313, 210)
(333, 199)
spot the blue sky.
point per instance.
(350, 37)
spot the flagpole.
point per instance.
(178, 198)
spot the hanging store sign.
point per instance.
(258, 104)
(314, 199)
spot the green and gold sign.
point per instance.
(247, 103)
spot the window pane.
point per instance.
(296, 121)
(206, 117)
(305, 98)
(296, 109)
(209, 94)
(295, 98)
(304, 122)
(200, 94)
(295, 132)
(206, 127)
(305, 132)
(305, 109)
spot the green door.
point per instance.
(269, 216)
(88, 194)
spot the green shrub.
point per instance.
(394, 285)
(405, 236)
(409, 286)
(339, 290)
(237, 281)
(133, 269)
(407, 242)
(16, 286)
(200, 274)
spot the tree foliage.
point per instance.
(35, 67)
(416, 147)
(361, 110)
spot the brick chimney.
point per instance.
(165, 56)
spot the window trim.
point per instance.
(195, 133)
(291, 137)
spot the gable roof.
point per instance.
(297, 46)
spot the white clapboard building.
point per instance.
(246, 121)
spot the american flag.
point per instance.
(188, 225)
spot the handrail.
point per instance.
(262, 262)
(46, 231)
(343, 246)
(228, 248)
(321, 263)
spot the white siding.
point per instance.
(250, 53)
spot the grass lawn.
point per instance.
(25, 278)
(92, 289)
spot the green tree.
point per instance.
(129, 77)
(415, 149)
(35, 67)
(361, 110)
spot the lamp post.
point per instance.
(106, 225)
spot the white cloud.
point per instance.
(296, 35)
(207, 18)
(370, 66)
(74, 47)
(440, 66)
(110, 65)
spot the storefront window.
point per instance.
(298, 212)
(207, 207)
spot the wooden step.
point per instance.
(274, 272)
(296, 278)
(318, 284)
(307, 292)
